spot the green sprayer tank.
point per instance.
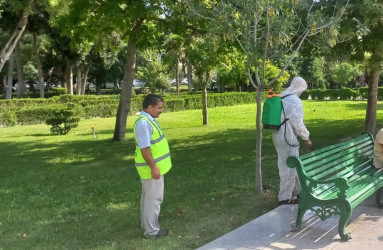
(272, 110)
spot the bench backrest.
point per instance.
(340, 160)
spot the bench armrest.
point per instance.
(341, 182)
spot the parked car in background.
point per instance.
(184, 81)
(138, 83)
(37, 85)
(26, 86)
(14, 89)
(109, 85)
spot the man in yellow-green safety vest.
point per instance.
(152, 161)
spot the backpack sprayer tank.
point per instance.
(272, 110)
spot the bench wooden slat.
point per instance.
(360, 139)
(331, 157)
(339, 168)
(332, 191)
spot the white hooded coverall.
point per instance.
(293, 109)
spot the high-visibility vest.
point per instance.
(159, 148)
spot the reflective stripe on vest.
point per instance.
(155, 160)
(159, 149)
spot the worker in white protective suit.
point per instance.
(286, 142)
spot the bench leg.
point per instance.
(379, 197)
(342, 226)
(298, 223)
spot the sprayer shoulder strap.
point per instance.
(286, 119)
(286, 96)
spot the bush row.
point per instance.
(339, 94)
(35, 111)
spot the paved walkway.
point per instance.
(272, 231)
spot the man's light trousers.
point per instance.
(151, 199)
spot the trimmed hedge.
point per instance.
(340, 94)
(36, 114)
(34, 111)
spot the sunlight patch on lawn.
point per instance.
(70, 159)
(119, 206)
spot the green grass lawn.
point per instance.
(75, 192)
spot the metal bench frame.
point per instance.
(336, 179)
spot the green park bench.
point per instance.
(336, 179)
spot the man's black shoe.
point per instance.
(161, 233)
(289, 202)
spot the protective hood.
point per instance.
(297, 86)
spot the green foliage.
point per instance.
(36, 114)
(344, 72)
(8, 118)
(305, 95)
(63, 120)
(59, 91)
(231, 70)
(175, 104)
(364, 92)
(313, 71)
(317, 94)
(347, 94)
(332, 94)
(271, 72)
(100, 110)
(204, 53)
(154, 73)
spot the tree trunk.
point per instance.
(8, 94)
(178, 77)
(258, 154)
(17, 33)
(115, 86)
(79, 79)
(372, 101)
(189, 76)
(204, 101)
(69, 78)
(126, 90)
(84, 80)
(98, 88)
(205, 118)
(49, 80)
(4, 83)
(62, 76)
(38, 63)
(127, 85)
(20, 73)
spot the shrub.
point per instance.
(363, 92)
(36, 114)
(347, 94)
(317, 94)
(100, 110)
(63, 120)
(8, 118)
(59, 91)
(332, 94)
(380, 94)
(175, 104)
(305, 95)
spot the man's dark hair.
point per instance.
(151, 99)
